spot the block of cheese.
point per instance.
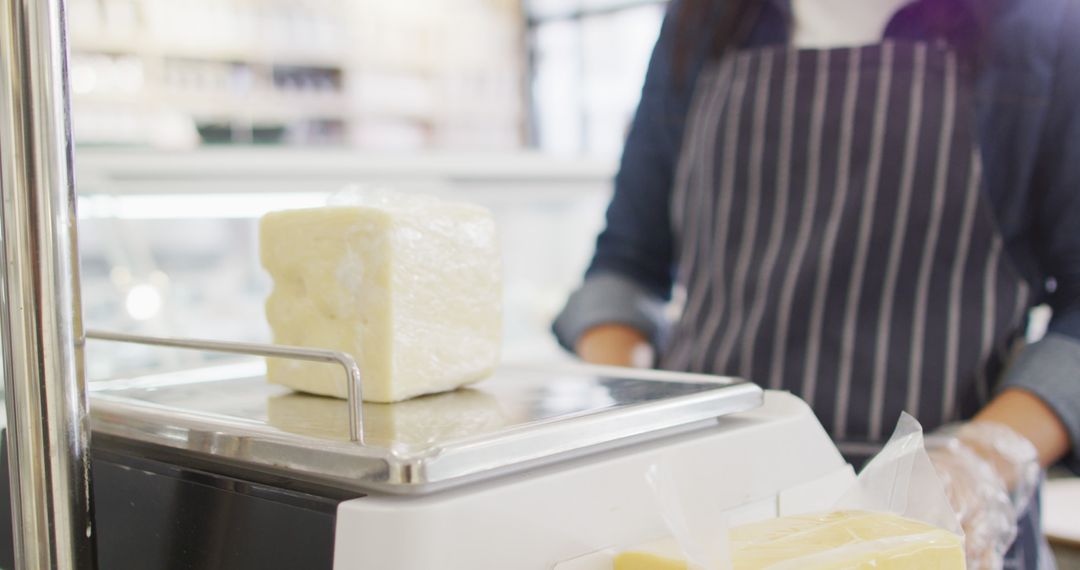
(408, 285)
(830, 541)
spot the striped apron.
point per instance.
(834, 239)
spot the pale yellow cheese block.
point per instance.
(409, 286)
(661, 555)
(831, 541)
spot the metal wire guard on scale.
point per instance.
(346, 361)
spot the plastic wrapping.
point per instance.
(409, 285)
(897, 514)
(902, 480)
(702, 547)
(990, 473)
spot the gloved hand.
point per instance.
(990, 473)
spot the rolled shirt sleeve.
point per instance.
(1050, 368)
(610, 298)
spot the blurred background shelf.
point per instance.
(561, 76)
(360, 73)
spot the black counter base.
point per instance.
(156, 515)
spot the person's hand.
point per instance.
(615, 345)
(990, 473)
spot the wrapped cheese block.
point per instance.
(831, 541)
(409, 286)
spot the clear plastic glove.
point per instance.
(990, 473)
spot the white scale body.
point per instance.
(773, 461)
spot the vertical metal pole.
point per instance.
(40, 313)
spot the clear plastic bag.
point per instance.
(899, 481)
(699, 540)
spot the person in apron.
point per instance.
(859, 202)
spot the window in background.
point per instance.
(588, 63)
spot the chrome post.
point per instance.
(40, 312)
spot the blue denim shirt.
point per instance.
(1028, 115)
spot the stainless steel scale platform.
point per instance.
(517, 419)
(215, 468)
